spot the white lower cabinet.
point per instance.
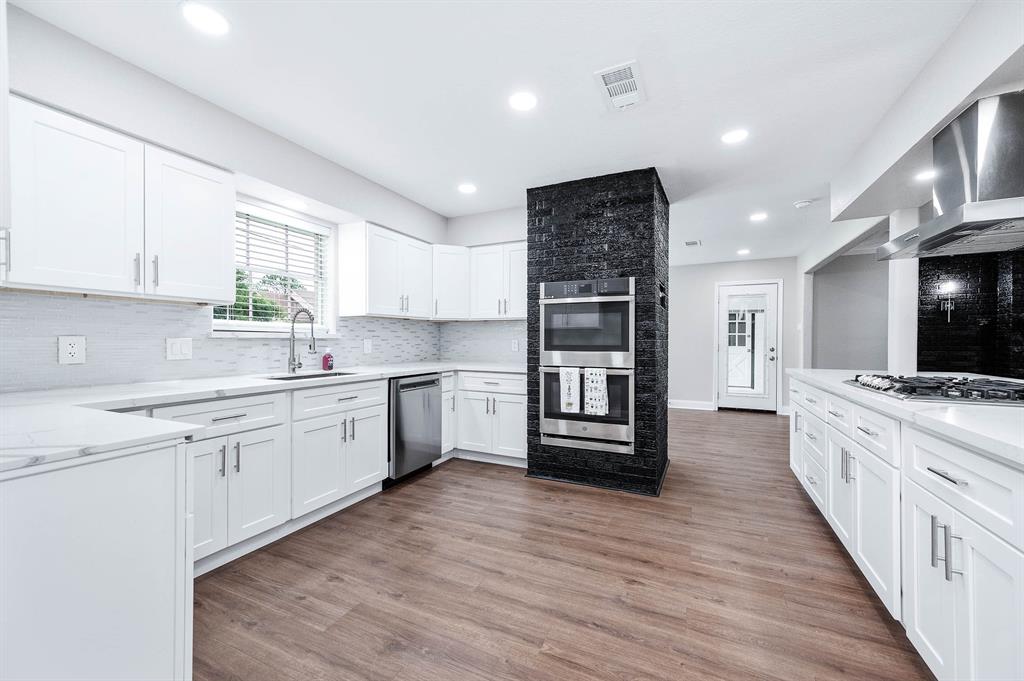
(840, 490)
(448, 418)
(210, 495)
(492, 423)
(796, 420)
(259, 482)
(333, 456)
(876, 525)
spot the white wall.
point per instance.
(59, 69)
(851, 313)
(488, 228)
(691, 326)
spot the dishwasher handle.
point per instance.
(420, 385)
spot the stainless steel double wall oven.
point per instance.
(587, 324)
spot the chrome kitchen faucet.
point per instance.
(294, 363)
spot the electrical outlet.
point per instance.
(367, 346)
(515, 345)
(71, 349)
(179, 348)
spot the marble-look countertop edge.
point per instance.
(924, 415)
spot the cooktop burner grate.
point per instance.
(944, 388)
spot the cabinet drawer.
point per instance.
(796, 393)
(447, 381)
(814, 401)
(988, 492)
(877, 433)
(815, 482)
(335, 399)
(493, 383)
(233, 415)
(839, 414)
(815, 441)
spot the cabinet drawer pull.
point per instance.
(935, 541)
(837, 414)
(492, 383)
(344, 430)
(138, 269)
(228, 418)
(948, 560)
(811, 479)
(810, 436)
(345, 399)
(794, 391)
(499, 307)
(842, 463)
(223, 460)
(945, 475)
(353, 429)
(867, 431)
(238, 457)
(156, 270)
(811, 400)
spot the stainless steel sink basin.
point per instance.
(296, 377)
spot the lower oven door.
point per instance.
(616, 425)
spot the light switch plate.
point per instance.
(367, 346)
(179, 348)
(515, 345)
(71, 349)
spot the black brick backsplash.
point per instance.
(986, 332)
(609, 226)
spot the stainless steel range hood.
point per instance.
(978, 194)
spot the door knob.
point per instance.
(771, 349)
(771, 358)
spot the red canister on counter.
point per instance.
(328, 360)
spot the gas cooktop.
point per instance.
(944, 388)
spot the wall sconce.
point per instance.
(948, 288)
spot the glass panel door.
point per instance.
(747, 346)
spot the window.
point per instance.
(279, 269)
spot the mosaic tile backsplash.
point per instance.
(125, 342)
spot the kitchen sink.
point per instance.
(326, 374)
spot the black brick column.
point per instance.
(602, 227)
(986, 331)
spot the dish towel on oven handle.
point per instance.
(569, 388)
(595, 392)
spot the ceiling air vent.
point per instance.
(620, 86)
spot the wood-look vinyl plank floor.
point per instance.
(473, 572)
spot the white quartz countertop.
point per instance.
(995, 430)
(43, 426)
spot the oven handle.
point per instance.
(592, 299)
(610, 372)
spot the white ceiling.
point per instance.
(413, 94)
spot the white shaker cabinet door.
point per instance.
(451, 282)
(384, 295)
(876, 525)
(929, 600)
(990, 604)
(190, 229)
(366, 452)
(210, 495)
(840, 497)
(447, 422)
(796, 419)
(486, 285)
(474, 423)
(417, 265)
(259, 472)
(76, 203)
(509, 414)
(515, 280)
(318, 462)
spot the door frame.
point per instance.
(778, 333)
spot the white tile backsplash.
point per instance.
(127, 342)
(484, 341)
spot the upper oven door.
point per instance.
(587, 332)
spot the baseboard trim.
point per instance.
(490, 458)
(691, 404)
(226, 555)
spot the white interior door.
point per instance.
(748, 349)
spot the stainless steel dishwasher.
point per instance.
(415, 439)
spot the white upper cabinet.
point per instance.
(5, 187)
(497, 281)
(93, 210)
(383, 273)
(416, 267)
(486, 282)
(451, 282)
(77, 204)
(190, 218)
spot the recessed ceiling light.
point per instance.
(205, 19)
(759, 216)
(467, 188)
(925, 175)
(743, 251)
(522, 101)
(735, 136)
(295, 204)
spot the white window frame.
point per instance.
(323, 327)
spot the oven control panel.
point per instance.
(622, 286)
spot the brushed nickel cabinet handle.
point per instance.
(948, 562)
(5, 234)
(850, 458)
(353, 429)
(238, 457)
(138, 269)
(506, 306)
(810, 436)
(945, 475)
(811, 400)
(842, 464)
(811, 479)
(223, 460)
(344, 430)
(935, 541)
(499, 306)
(345, 399)
(156, 270)
(837, 414)
(229, 417)
(796, 423)
(435, 307)
(867, 431)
